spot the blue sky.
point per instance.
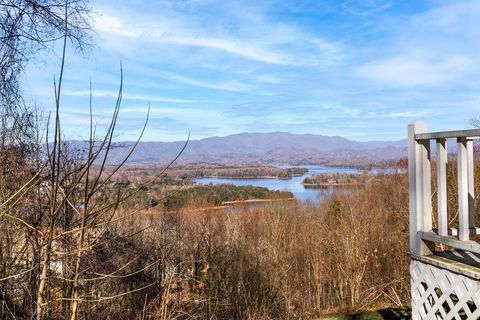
(362, 69)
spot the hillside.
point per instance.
(264, 148)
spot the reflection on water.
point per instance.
(293, 185)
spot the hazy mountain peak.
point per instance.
(269, 148)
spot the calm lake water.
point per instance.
(293, 185)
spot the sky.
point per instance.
(361, 69)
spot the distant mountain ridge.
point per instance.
(263, 148)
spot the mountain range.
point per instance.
(263, 148)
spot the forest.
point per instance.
(215, 195)
(215, 171)
(337, 179)
(284, 260)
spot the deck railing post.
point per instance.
(442, 187)
(471, 187)
(420, 204)
(462, 175)
(426, 182)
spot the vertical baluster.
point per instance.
(471, 192)
(426, 185)
(442, 187)
(463, 211)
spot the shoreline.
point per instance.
(326, 185)
(248, 177)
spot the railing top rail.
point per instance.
(474, 133)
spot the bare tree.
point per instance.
(26, 28)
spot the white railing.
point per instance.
(422, 234)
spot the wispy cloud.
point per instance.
(292, 109)
(269, 79)
(435, 47)
(232, 85)
(142, 110)
(415, 70)
(238, 47)
(114, 94)
(105, 23)
(365, 7)
(267, 47)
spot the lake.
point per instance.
(293, 185)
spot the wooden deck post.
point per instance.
(471, 187)
(442, 187)
(420, 204)
(463, 212)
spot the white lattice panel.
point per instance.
(442, 294)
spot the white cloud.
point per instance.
(342, 110)
(365, 7)
(232, 85)
(114, 94)
(238, 47)
(282, 45)
(414, 70)
(269, 79)
(112, 24)
(451, 17)
(180, 113)
(435, 47)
